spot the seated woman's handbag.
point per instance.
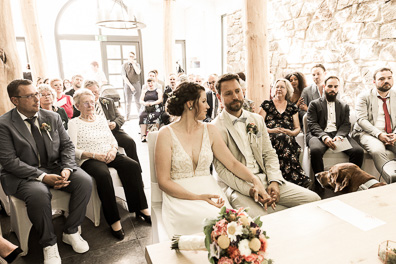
(150, 108)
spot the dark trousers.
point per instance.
(125, 141)
(37, 197)
(131, 178)
(318, 148)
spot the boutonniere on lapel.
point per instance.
(106, 103)
(252, 130)
(47, 128)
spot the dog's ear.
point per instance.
(342, 181)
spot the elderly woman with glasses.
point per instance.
(281, 118)
(151, 101)
(96, 151)
(63, 100)
(47, 97)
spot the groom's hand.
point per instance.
(273, 190)
(261, 197)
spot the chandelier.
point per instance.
(116, 15)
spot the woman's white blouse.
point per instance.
(95, 137)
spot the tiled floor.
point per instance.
(104, 248)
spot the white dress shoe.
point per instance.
(51, 255)
(76, 241)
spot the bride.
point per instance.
(183, 155)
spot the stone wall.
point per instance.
(350, 37)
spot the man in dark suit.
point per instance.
(105, 106)
(328, 122)
(211, 98)
(37, 154)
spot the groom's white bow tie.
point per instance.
(242, 119)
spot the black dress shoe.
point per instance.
(13, 255)
(118, 234)
(146, 218)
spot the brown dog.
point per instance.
(346, 177)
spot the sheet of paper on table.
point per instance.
(351, 215)
(341, 145)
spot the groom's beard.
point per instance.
(384, 88)
(235, 105)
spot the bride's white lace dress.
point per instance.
(185, 217)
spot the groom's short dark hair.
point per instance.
(224, 78)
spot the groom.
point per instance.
(255, 151)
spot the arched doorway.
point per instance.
(79, 42)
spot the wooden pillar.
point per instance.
(10, 66)
(169, 40)
(34, 39)
(257, 62)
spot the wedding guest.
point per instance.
(248, 104)
(46, 102)
(165, 118)
(76, 83)
(376, 118)
(8, 251)
(298, 82)
(66, 85)
(130, 73)
(46, 81)
(151, 100)
(39, 81)
(37, 154)
(105, 107)
(328, 124)
(183, 154)
(281, 119)
(96, 151)
(62, 100)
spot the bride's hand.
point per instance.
(219, 202)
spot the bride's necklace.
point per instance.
(88, 119)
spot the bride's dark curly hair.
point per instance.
(184, 92)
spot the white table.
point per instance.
(308, 234)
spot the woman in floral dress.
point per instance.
(281, 118)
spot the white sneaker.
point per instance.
(51, 255)
(76, 241)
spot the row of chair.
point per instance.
(21, 225)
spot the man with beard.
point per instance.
(77, 81)
(245, 134)
(376, 118)
(328, 122)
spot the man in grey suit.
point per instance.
(328, 122)
(36, 154)
(246, 136)
(376, 118)
(314, 91)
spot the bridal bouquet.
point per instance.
(232, 238)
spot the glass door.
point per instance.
(114, 55)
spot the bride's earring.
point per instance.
(190, 108)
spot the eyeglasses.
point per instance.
(45, 95)
(87, 104)
(29, 96)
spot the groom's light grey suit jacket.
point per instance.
(262, 149)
